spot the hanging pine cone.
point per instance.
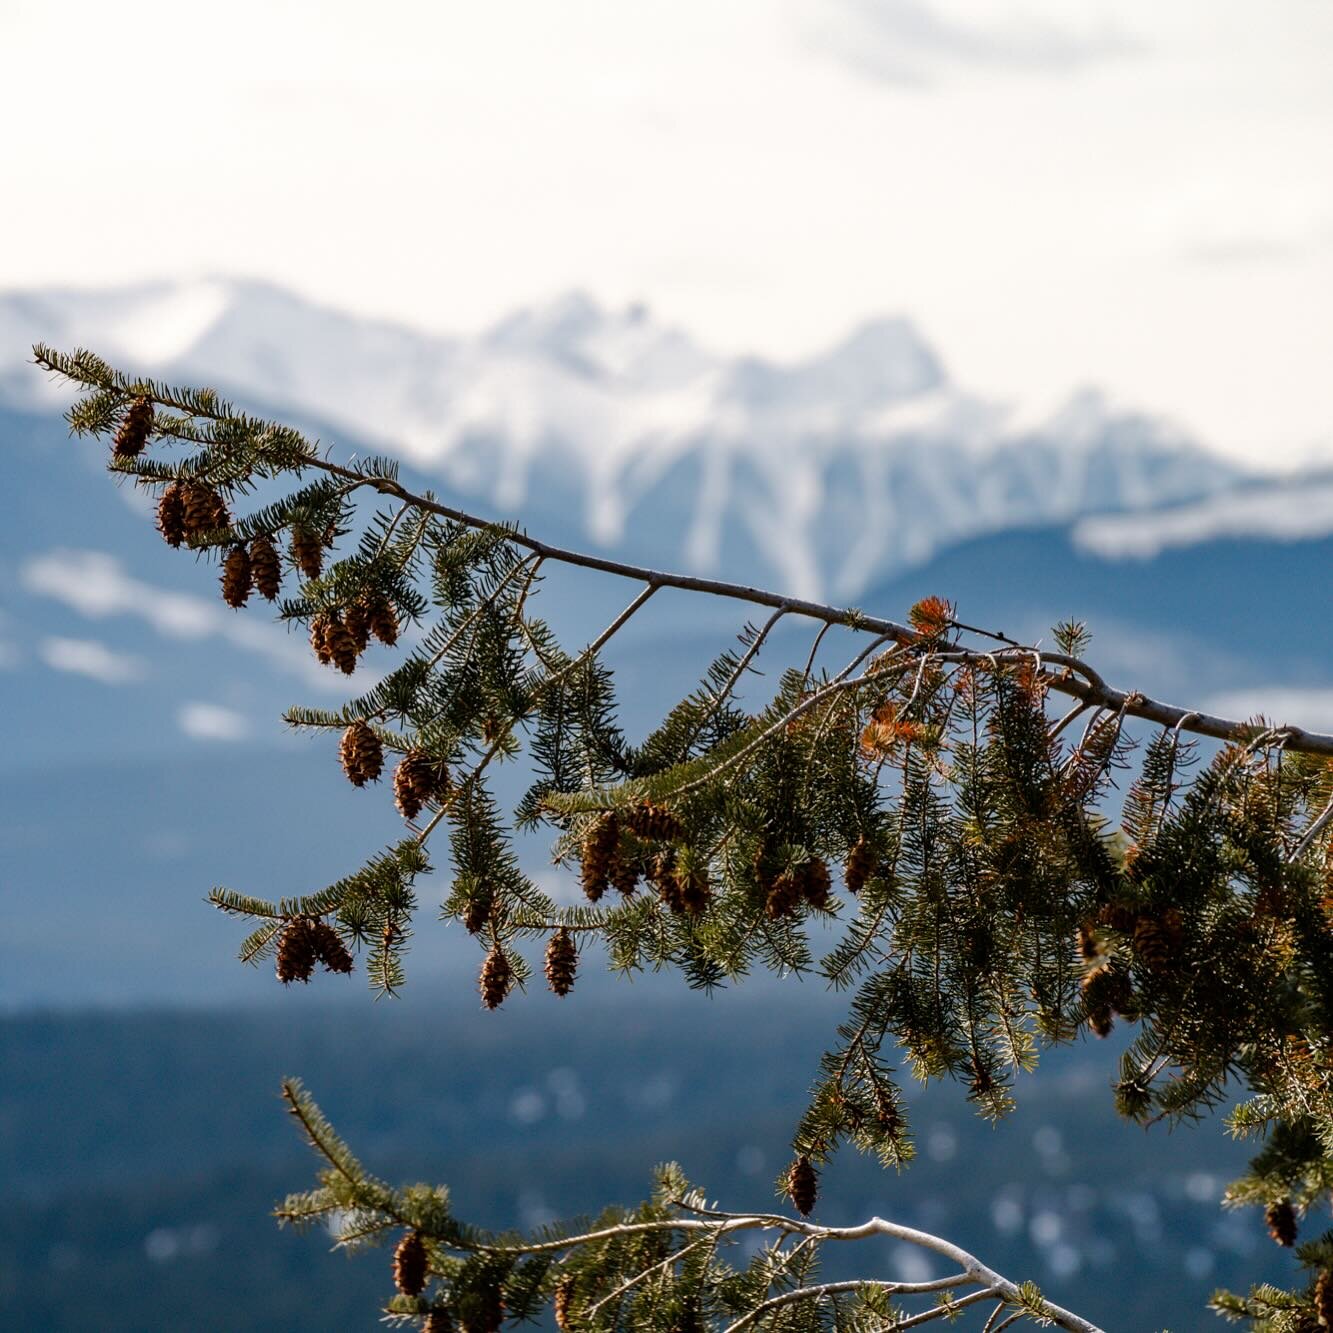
(296, 952)
(563, 1303)
(784, 896)
(361, 754)
(1323, 1298)
(662, 876)
(437, 1321)
(171, 514)
(624, 874)
(1281, 1220)
(236, 577)
(203, 509)
(860, 866)
(1097, 1003)
(418, 779)
(693, 891)
(340, 644)
(357, 620)
(409, 1265)
(1157, 939)
(478, 910)
(319, 637)
(329, 947)
(816, 884)
(496, 976)
(599, 849)
(307, 552)
(562, 960)
(266, 567)
(653, 823)
(803, 1185)
(135, 427)
(1087, 942)
(384, 621)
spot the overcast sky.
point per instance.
(1135, 194)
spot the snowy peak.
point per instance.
(821, 474)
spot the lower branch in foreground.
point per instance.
(660, 1266)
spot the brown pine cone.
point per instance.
(409, 1265)
(1157, 939)
(562, 960)
(1323, 1298)
(307, 552)
(236, 577)
(478, 911)
(171, 514)
(418, 779)
(803, 1185)
(357, 620)
(1096, 1001)
(496, 977)
(361, 754)
(784, 896)
(135, 427)
(860, 866)
(384, 621)
(1281, 1220)
(266, 567)
(562, 1304)
(599, 850)
(624, 874)
(340, 644)
(320, 625)
(653, 823)
(329, 947)
(816, 885)
(296, 951)
(694, 892)
(203, 509)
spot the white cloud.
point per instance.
(97, 585)
(1299, 512)
(88, 657)
(212, 722)
(1311, 709)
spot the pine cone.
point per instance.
(478, 911)
(1281, 1220)
(1087, 942)
(562, 1305)
(496, 976)
(340, 644)
(1157, 939)
(266, 567)
(357, 620)
(784, 896)
(319, 637)
(135, 427)
(409, 1265)
(296, 952)
(860, 866)
(361, 754)
(384, 621)
(418, 779)
(562, 960)
(653, 823)
(329, 947)
(624, 874)
(203, 509)
(1097, 1003)
(803, 1185)
(171, 514)
(694, 891)
(236, 577)
(816, 885)
(599, 849)
(307, 552)
(1323, 1298)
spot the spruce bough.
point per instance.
(915, 787)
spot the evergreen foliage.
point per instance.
(987, 905)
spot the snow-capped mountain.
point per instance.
(820, 476)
